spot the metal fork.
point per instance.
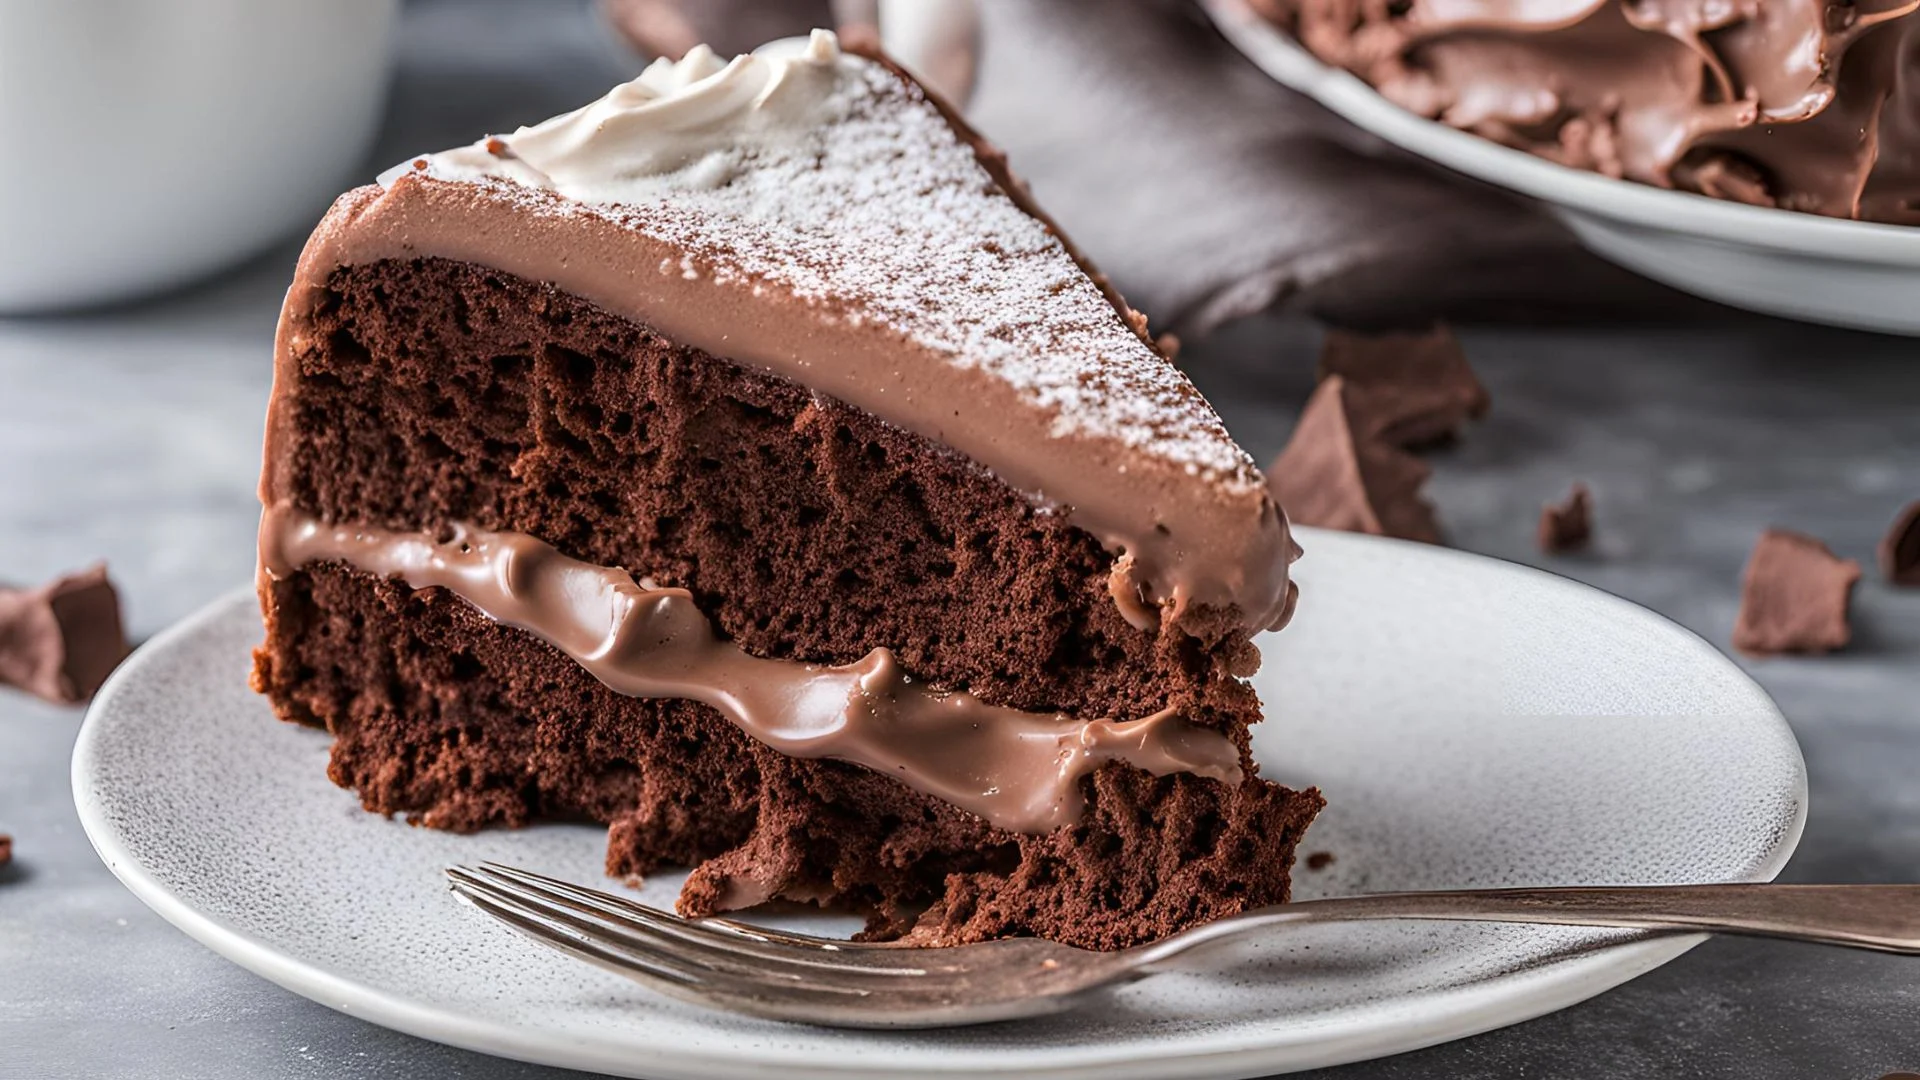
(748, 969)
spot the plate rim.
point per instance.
(1578, 191)
(1484, 1006)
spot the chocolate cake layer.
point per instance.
(462, 723)
(430, 392)
(811, 212)
(434, 392)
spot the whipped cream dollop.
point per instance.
(687, 124)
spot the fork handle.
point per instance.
(1880, 917)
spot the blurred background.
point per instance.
(188, 146)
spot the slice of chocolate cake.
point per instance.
(742, 461)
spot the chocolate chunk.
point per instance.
(1320, 860)
(1568, 525)
(61, 640)
(1794, 597)
(670, 27)
(1900, 548)
(1335, 475)
(1420, 387)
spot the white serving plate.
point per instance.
(1472, 722)
(1778, 262)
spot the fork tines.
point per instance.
(640, 941)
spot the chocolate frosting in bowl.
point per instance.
(1805, 105)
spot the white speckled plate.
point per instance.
(1780, 262)
(1473, 723)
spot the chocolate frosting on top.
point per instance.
(1802, 104)
(814, 213)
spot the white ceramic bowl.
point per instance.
(145, 144)
(1803, 266)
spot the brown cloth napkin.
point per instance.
(1209, 192)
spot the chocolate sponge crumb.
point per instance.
(1794, 597)
(1567, 526)
(60, 641)
(1333, 474)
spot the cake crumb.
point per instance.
(1320, 860)
(60, 641)
(1337, 473)
(1794, 597)
(1567, 526)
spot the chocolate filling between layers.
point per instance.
(431, 391)
(1019, 770)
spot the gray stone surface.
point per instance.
(133, 435)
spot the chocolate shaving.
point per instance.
(1567, 526)
(61, 640)
(1794, 596)
(1335, 475)
(1420, 386)
(1900, 548)
(670, 27)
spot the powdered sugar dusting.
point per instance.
(877, 211)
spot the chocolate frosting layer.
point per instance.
(1019, 770)
(1800, 104)
(813, 213)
